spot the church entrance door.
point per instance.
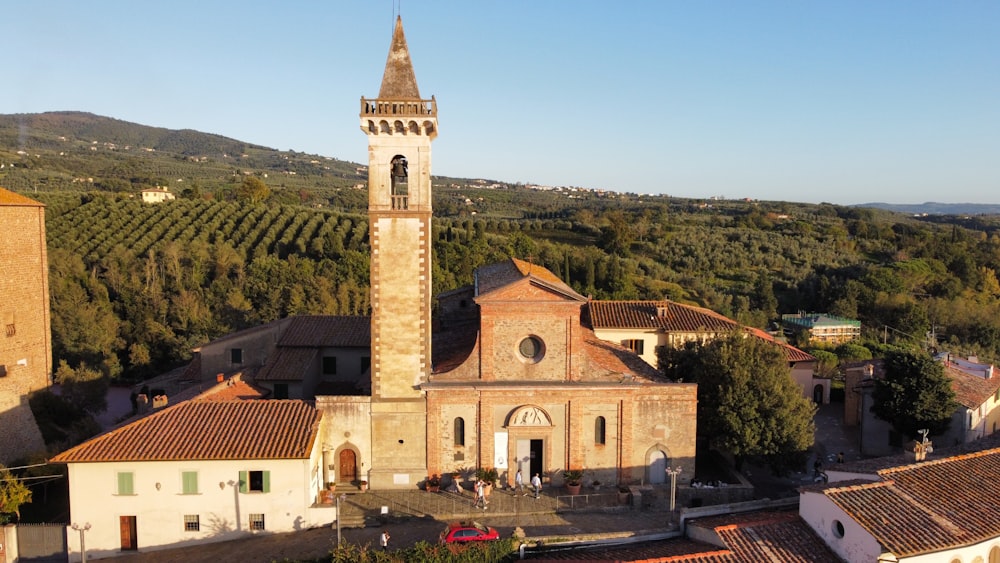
(529, 458)
(348, 467)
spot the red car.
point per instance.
(460, 532)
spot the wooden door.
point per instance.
(348, 467)
(128, 532)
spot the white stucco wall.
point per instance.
(822, 514)
(651, 339)
(159, 504)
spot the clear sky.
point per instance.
(846, 101)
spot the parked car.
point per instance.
(460, 532)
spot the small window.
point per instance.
(125, 483)
(189, 482)
(280, 390)
(236, 356)
(192, 523)
(636, 345)
(255, 481)
(459, 431)
(599, 431)
(838, 528)
(257, 522)
(329, 365)
(532, 349)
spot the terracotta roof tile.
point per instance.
(608, 359)
(669, 316)
(328, 331)
(663, 551)
(10, 198)
(971, 390)
(666, 315)
(494, 276)
(782, 537)
(929, 506)
(208, 430)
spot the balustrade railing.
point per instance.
(408, 108)
(400, 203)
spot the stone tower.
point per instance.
(400, 127)
(25, 332)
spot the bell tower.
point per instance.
(400, 127)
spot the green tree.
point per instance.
(83, 387)
(253, 189)
(13, 494)
(748, 404)
(915, 394)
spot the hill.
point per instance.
(134, 287)
(933, 208)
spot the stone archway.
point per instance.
(657, 461)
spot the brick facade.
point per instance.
(25, 332)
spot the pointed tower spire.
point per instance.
(399, 82)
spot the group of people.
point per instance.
(536, 484)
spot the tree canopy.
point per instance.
(13, 494)
(915, 394)
(748, 404)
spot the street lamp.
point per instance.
(673, 472)
(339, 498)
(83, 545)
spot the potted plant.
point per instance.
(574, 480)
(596, 484)
(433, 484)
(363, 485)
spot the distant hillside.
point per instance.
(933, 208)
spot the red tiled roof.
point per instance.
(679, 550)
(208, 430)
(669, 316)
(665, 315)
(929, 506)
(971, 391)
(608, 359)
(10, 198)
(494, 276)
(233, 389)
(784, 537)
(328, 331)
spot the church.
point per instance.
(509, 376)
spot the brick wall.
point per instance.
(25, 332)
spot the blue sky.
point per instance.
(840, 101)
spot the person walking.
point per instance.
(536, 484)
(384, 540)
(480, 495)
(519, 483)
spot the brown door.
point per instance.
(128, 530)
(348, 467)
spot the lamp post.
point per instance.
(673, 472)
(83, 544)
(340, 497)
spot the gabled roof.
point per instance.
(668, 316)
(664, 315)
(9, 198)
(929, 506)
(327, 331)
(492, 277)
(971, 391)
(399, 81)
(208, 430)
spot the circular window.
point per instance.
(838, 529)
(531, 348)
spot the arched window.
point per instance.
(599, 430)
(995, 554)
(459, 431)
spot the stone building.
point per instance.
(25, 333)
(516, 379)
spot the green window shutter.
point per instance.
(267, 481)
(189, 481)
(244, 482)
(125, 484)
